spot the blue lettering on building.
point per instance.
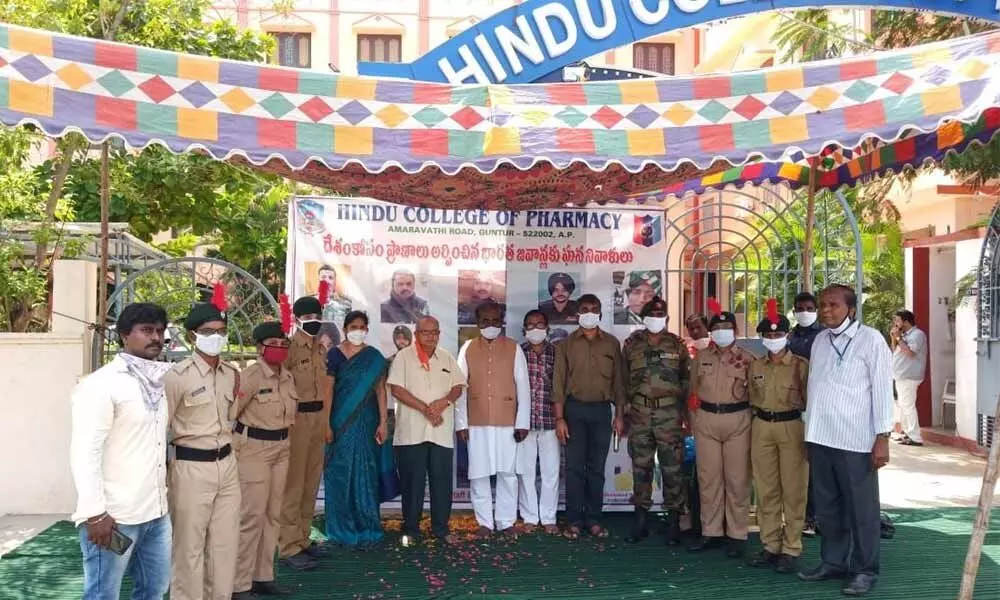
(541, 219)
(531, 40)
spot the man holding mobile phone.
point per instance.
(118, 460)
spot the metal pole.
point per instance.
(102, 271)
(982, 515)
(807, 252)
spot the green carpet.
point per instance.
(923, 561)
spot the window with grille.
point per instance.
(293, 50)
(380, 48)
(653, 57)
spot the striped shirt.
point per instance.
(850, 389)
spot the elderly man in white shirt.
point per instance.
(118, 459)
(426, 381)
(848, 420)
(493, 416)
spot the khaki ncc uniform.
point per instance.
(778, 450)
(722, 438)
(263, 411)
(204, 486)
(314, 388)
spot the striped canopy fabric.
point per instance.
(492, 145)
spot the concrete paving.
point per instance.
(928, 477)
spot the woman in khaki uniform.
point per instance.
(778, 446)
(263, 413)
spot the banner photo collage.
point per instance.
(399, 263)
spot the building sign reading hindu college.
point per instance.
(535, 38)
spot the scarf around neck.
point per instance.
(149, 374)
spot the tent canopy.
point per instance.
(502, 146)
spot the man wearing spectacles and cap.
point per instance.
(314, 388)
(263, 413)
(204, 481)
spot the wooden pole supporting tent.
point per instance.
(807, 251)
(982, 522)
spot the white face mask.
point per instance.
(843, 326)
(357, 336)
(775, 346)
(589, 320)
(805, 318)
(536, 336)
(654, 324)
(210, 345)
(490, 333)
(701, 343)
(723, 337)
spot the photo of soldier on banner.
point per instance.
(633, 289)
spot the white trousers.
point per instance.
(538, 507)
(906, 408)
(506, 505)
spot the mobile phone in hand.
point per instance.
(120, 542)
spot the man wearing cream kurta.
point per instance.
(492, 415)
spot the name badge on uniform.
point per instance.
(303, 361)
(200, 390)
(265, 391)
(758, 379)
(707, 364)
(671, 356)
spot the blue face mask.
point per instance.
(723, 337)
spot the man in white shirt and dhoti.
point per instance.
(492, 417)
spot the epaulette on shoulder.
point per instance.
(184, 365)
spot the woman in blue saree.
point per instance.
(354, 461)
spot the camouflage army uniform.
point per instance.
(657, 389)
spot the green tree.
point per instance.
(153, 190)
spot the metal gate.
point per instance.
(745, 246)
(988, 336)
(176, 284)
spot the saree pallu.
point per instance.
(351, 473)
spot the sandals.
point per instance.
(572, 533)
(551, 529)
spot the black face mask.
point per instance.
(312, 327)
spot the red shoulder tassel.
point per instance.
(714, 307)
(219, 296)
(323, 295)
(772, 311)
(286, 313)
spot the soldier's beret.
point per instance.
(307, 305)
(201, 314)
(267, 330)
(637, 278)
(722, 317)
(766, 326)
(656, 303)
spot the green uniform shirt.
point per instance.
(655, 371)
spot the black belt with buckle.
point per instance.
(199, 455)
(724, 409)
(310, 406)
(776, 417)
(656, 402)
(267, 435)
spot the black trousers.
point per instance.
(415, 464)
(845, 495)
(586, 452)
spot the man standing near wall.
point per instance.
(909, 364)
(117, 451)
(204, 477)
(314, 388)
(848, 420)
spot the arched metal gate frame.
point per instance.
(988, 332)
(751, 236)
(176, 284)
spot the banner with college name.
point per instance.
(399, 263)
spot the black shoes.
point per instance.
(672, 530)
(859, 585)
(786, 564)
(269, 588)
(640, 528)
(317, 551)
(735, 548)
(763, 559)
(822, 573)
(300, 562)
(706, 543)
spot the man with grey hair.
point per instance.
(403, 305)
